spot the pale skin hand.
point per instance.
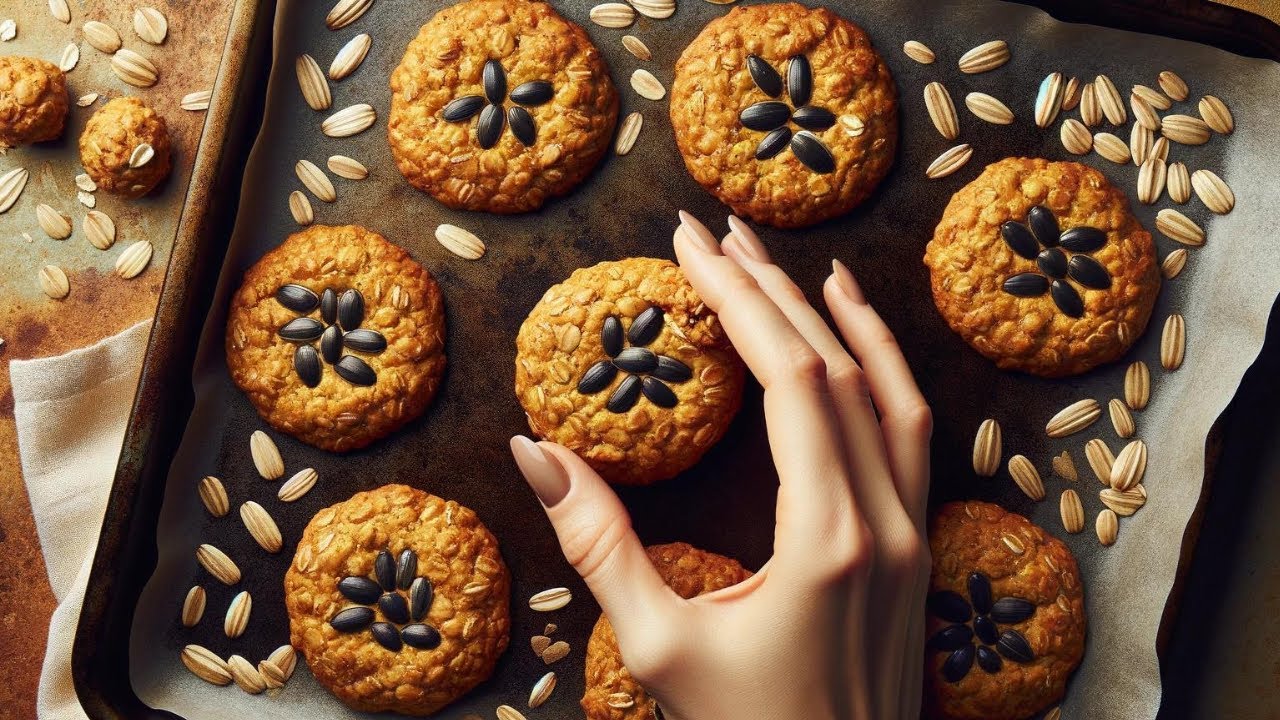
(832, 626)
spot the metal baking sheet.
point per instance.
(725, 504)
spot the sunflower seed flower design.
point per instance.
(978, 617)
(775, 116)
(1041, 240)
(337, 329)
(645, 372)
(400, 596)
(490, 106)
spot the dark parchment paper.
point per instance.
(725, 504)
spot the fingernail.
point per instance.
(846, 282)
(698, 234)
(543, 472)
(748, 240)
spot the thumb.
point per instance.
(596, 536)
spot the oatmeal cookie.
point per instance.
(1041, 267)
(499, 105)
(786, 114)
(687, 570)
(33, 101)
(399, 600)
(1006, 620)
(337, 337)
(109, 141)
(623, 364)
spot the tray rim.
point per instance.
(164, 390)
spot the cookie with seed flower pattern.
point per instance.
(337, 337)
(787, 114)
(399, 600)
(1041, 267)
(623, 364)
(1006, 620)
(499, 105)
(611, 693)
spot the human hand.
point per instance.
(831, 626)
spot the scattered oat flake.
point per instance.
(87, 99)
(197, 101)
(86, 199)
(8, 30)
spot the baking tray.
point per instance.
(677, 510)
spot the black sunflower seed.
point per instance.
(611, 336)
(420, 595)
(406, 568)
(1083, 239)
(462, 108)
(799, 81)
(764, 76)
(489, 129)
(765, 115)
(814, 118)
(986, 630)
(1026, 285)
(672, 370)
(522, 125)
(301, 330)
(1020, 239)
(980, 592)
(355, 371)
(329, 306)
(1015, 647)
(353, 619)
(951, 637)
(1089, 272)
(384, 569)
(1010, 610)
(624, 398)
(533, 93)
(597, 377)
(809, 150)
(773, 143)
(495, 82)
(394, 607)
(307, 364)
(657, 713)
(658, 393)
(1066, 298)
(1052, 262)
(297, 298)
(1044, 225)
(387, 636)
(350, 310)
(369, 341)
(423, 637)
(957, 664)
(950, 606)
(989, 660)
(331, 344)
(359, 590)
(636, 360)
(646, 326)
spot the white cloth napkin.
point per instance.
(71, 412)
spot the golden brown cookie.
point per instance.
(337, 337)
(786, 114)
(499, 105)
(612, 694)
(1006, 621)
(399, 600)
(33, 101)
(109, 147)
(1041, 267)
(623, 364)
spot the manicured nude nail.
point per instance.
(543, 472)
(846, 282)
(748, 240)
(698, 234)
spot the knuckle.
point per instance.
(854, 556)
(653, 661)
(849, 379)
(589, 547)
(915, 419)
(806, 366)
(905, 557)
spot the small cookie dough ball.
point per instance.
(109, 141)
(33, 101)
